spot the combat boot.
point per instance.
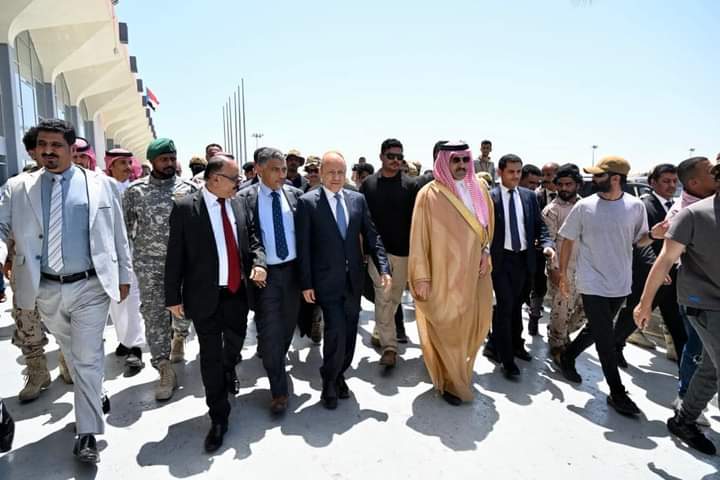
(168, 381)
(177, 352)
(37, 378)
(64, 370)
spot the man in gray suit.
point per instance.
(72, 258)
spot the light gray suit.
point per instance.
(75, 313)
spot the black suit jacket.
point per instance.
(535, 230)
(326, 260)
(191, 264)
(655, 214)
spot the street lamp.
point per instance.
(257, 136)
(691, 150)
(594, 147)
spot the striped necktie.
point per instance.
(55, 257)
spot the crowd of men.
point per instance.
(157, 253)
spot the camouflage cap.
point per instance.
(296, 154)
(160, 146)
(312, 162)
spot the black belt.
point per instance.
(510, 252)
(282, 265)
(74, 277)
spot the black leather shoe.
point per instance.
(105, 404)
(510, 371)
(122, 350)
(533, 326)
(7, 430)
(231, 382)
(622, 363)
(490, 352)
(214, 438)
(522, 354)
(85, 449)
(452, 399)
(343, 391)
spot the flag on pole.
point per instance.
(152, 99)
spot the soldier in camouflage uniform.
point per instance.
(567, 314)
(147, 204)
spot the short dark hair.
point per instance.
(364, 167)
(687, 170)
(436, 148)
(256, 153)
(509, 158)
(248, 166)
(530, 169)
(268, 154)
(214, 165)
(212, 145)
(390, 143)
(30, 139)
(569, 170)
(55, 125)
(660, 170)
(485, 142)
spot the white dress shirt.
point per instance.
(213, 207)
(333, 203)
(465, 195)
(520, 217)
(663, 201)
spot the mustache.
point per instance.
(49, 155)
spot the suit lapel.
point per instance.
(351, 205)
(239, 216)
(93, 191)
(325, 205)
(291, 199)
(33, 187)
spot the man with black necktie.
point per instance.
(271, 207)
(518, 228)
(211, 256)
(663, 180)
(333, 229)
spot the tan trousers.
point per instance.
(566, 314)
(386, 304)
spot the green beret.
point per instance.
(160, 146)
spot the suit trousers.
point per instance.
(600, 312)
(276, 316)
(509, 283)
(221, 337)
(704, 384)
(341, 317)
(125, 315)
(76, 314)
(386, 304)
(538, 287)
(666, 300)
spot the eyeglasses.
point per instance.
(312, 170)
(394, 156)
(234, 179)
(460, 159)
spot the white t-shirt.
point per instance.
(606, 232)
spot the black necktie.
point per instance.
(668, 204)
(514, 232)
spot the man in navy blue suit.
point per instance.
(518, 227)
(333, 229)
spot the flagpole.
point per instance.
(244, 120)
(224, 127)
(230, 129)
(240, 142)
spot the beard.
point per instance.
(602, 186)
(567, 196)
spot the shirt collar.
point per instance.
(330, 194)
(507, 190)
(662, 200)
(211, 200)
(66, 175)
(265, 190)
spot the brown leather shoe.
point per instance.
(388, 359)
(278, 405)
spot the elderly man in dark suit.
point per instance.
(333, 229)
(212, 256)
(271, 208)
(518, 228)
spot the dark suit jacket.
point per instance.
(191, 264)
(326, 260)
(535, 230)
(655, 214)
(249, 197)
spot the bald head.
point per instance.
(333, 170)
(548, 175)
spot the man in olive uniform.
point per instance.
(147, 205)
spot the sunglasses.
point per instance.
(394, 156)
(460, 159)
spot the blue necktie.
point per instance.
(514, 233)
(281, 248)
(340, 212)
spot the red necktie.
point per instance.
(233, 257)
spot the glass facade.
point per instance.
(31, 87)
(62, 100)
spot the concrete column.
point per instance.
(46, 109)
(14, 150)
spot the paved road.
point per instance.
(394, 426)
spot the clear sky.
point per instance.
(542, 79)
